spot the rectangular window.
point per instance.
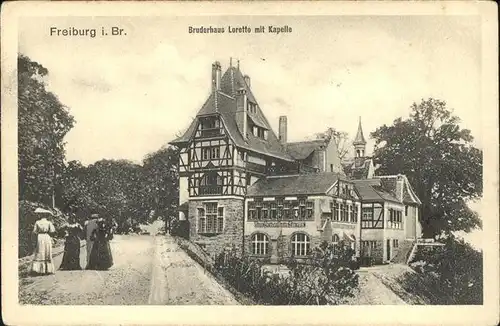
(310, 209)
(205, 153)
(335, 209)
(255, 132)
(302, 214)
(406, 210)
(368, 244)
(215, 152)
(211, 216)
(220, 220)
(273, 210)
(279, 203)
(367, 218)
(286, 210)
(252, 213)
(343, 213)
(331, 167)
(395, 243)
(355, 215)
(265, 210)
(395, 219)
(202, 221)
(349, 212)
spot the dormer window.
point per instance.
(256, 131)
(252, 107)
(209, 127)
(266, 132)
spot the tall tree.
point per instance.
(162, 182)
(43, 121)
(441, 163)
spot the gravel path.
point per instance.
(147, 270)
(371, 290)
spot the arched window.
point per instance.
(260, 243)
(300, 244)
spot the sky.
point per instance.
(131, 94)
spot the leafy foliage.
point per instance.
(121, 190)
(118, 189)
(43, 122)
(456, 272)
(325, 279)
(440, 162)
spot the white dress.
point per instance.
(42, 261)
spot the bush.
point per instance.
(323, 279)
(456, 270)
(180, 228)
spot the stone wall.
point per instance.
(232, 236)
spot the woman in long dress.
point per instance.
(43, 230)
(71, 258)
(101, 257)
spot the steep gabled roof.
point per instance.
(224, 104)
(409, 195)
(186, 136)
(301, 150)
(371, 190)
(359, 169)
(303, 184)
(359, 139)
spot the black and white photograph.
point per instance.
(219, 158)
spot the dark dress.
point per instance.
(100, 256)
(71, 258)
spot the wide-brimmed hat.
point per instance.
(40, 210)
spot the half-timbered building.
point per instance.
(243, 186)
(286, 216)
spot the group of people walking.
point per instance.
(97, 232)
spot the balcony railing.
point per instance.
(282, 169)
(210, 190)
(256, 167)
(209, 132)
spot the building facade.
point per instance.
(287, 216)
(244, 187)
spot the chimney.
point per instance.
(399, 187)
(282, 130)
(216, 74)
(241, 112)
(247, 80)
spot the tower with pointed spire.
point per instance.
(359, 142)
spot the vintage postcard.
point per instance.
(250, 163)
